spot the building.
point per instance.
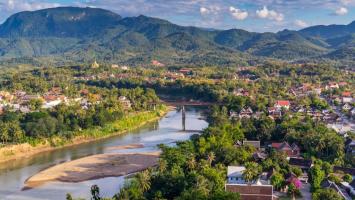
(157, 63)
(345, 170)
(255, 143)
(332, 85)
(246, 113)
(233, 114)
(125, 67)
(51, 101)
(241, 92)
(259, 156)
(235, 174)
(186, 71)
(346, 107)
(347, 99)
(352, 113)
(254, 191)
(290, 150)
(282, 104)
(126, 103)
(95, 65)
(304, 164)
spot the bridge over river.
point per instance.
(181, 107)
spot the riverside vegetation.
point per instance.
(95, 113)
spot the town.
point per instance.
(297, 136)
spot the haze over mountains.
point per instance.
(82, 34)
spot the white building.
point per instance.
(235, 174)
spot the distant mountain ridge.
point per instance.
(82, 34)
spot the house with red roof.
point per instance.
(282, 104)
(347, 97)
(185, 71)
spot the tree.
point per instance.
(277, 180)
(143, 179)
(4, 133)
(326, 194)
(251, 171)
(292, 190)
(68, 197)
(347, 178)
(210, 158)
(95, 192)
(297, 171)
(191, 164)
(35, 104)
(316, 176)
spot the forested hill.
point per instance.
(82, 34)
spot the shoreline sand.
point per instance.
(94, 167)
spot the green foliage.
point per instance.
(277, 180)
(297, 171)
(347, 178)
(334, 178)
(326, 194)
(316, 176)
(251, 172)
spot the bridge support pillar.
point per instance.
(183, 118)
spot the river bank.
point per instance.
(130, 122)
(94, 167)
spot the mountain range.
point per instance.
(71, 35)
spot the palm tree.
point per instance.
(143, 179)
(191, 164)
(162, 165)
(251, 172)
(211, 157)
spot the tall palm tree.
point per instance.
(211, 157)
(251, 172)
(191, 164)
(143, 179)
(162, 165)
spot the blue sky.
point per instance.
(255, 15)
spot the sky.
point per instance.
(255, 15)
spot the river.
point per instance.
(164, 131)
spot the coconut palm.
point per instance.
(143, 179)
(211, 157)
(162, 165)
(251, 172)
(191, 164)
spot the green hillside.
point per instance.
(69, 34)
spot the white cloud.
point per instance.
(210, 10)
(341, 11)
(21, 5)
(300, 23)
(203, 10)
(265, 13)
(237, 13)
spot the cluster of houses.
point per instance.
(19, 101)
(261, 188)
(333, 118)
